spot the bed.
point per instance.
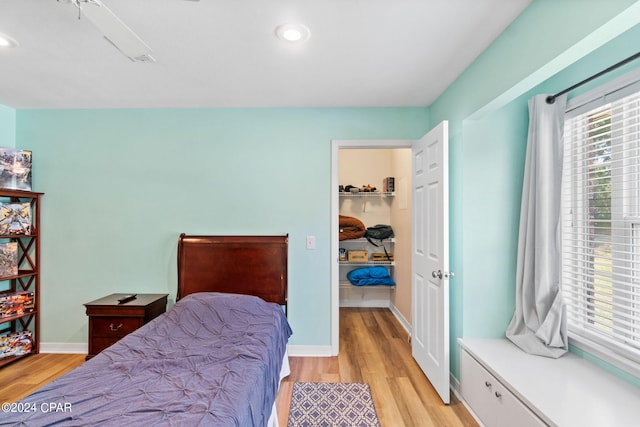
(215, 358)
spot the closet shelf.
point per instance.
(368, 263)
(364, 240)
(346, 282)
(367, 194)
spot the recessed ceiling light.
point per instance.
(294, 33)
(6, 41)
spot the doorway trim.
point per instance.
(336, 145)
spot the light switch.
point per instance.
(311, 242)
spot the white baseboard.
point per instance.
(82, 348)
(64, 348)
(455, 388)
(309, 350)
(403, 322)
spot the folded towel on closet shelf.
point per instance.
(370, 276)
(350, 227)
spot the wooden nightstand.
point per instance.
(109, 320)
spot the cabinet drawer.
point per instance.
(115, 326)
(97, 344)
(491, 401)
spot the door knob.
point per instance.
(439, 274)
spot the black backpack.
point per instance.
(378, 232)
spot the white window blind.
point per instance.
(601, 223)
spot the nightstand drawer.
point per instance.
(115, 326)
(110, 319)
(100, 343)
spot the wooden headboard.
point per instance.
(253, 265)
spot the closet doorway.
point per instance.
(368, 162)
(428, 263)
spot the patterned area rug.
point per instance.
(332, 405)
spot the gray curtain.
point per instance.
(539, 323)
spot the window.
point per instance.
(601, 221)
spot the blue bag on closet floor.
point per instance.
(370, 276)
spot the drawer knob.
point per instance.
(487, 384)
(498, 394)
(115, 328)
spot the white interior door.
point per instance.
(430, 258)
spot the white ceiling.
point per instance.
(224, 53)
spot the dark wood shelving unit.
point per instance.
(28, 277)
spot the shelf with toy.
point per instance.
(19, 274)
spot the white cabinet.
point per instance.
(535, 391)
(490, 400)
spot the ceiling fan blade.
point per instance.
(116, 31)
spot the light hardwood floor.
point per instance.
(374, 349)
(23, 377)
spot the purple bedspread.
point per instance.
(212, 360)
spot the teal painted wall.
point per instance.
(7, 127)
(488, 114)
(492, 176)
(121, 185)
